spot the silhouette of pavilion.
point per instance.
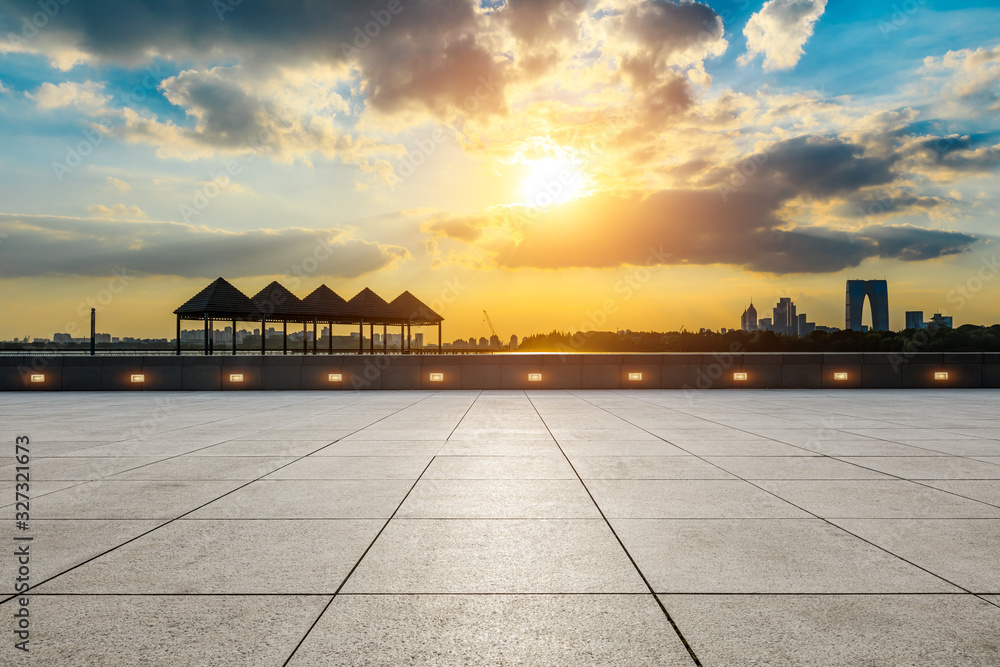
(220, 301)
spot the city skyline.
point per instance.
(562, 164)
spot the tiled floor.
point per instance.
(532, 528)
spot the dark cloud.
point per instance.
(43, 246)
(955, 152)
(737, 223)
(425, 54)
(664, 28)
(542, 21)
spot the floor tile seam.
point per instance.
(635, 565)
(167, 522)
(828, 521)
(374, 540)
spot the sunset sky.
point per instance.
(563, 164)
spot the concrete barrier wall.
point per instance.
(507, 371)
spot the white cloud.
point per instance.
(88, 97)
(780, 30)
(116, 211)
(2, 88)
(118, 184)
(969, 77)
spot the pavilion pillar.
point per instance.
(206, 334)
(439, 338)
(305, 338)
(284, 336)
(315, 336)
(329, 342)
(385, 343)
(409, 338)
(234, 338)
(371, 339)
(211, 336)
(263, 337)
(178, 335)
(361, 337)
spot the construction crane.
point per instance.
(493, 330)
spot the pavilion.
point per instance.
(220, 301)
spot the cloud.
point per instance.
(87, 97)
(743, 221)
(116, 211)
(780, 30)
(971, 77)
(3, 89)
(48, 245)
(118, 184)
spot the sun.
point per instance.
(551, 181)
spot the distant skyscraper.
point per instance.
(877, 293)
(748, 322)
(765, 324)
(915, 319)
(785, 320)
(513, 341)
(940, 320)
(418, 341)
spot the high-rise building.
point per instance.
(765, 324)
(748, 322)
(785, 320)
(915, 319)
(877, 293)
(940, 320)
(513, 341)
(418, 341)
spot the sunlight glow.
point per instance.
(552, 181)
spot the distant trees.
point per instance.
(966, 338)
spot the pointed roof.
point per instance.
(219, 298)
(276, 301)
(414, 310)
(325, 302)
(372, 308)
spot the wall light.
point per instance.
(336, 377)
(534, 377)
(635, 377)
(236, 377)
(941, 375)
(740, 377)
(137, 378)
(840, 377)
(437, 377)
(38, 378)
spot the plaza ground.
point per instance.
(522, 527)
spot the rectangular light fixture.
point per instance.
(840, 377)
(635, 377)
(137, 378)
(38, 378)
(336, 377)
(740, 377)
(437, 377)
(941, 375)
(534, 377)
(236, 377)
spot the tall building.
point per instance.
(748, 322)
(418, 341)
(915, 319)
(785, 320)
(765, 324)
(513, 341)
(940, 320)
(877, 293)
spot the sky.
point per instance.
(560, 164)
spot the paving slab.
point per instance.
(567, 630)
(930, 467)
(802, 556)
(496, 556)
(244, 557)
(689, 499)
(987, 491)
(875, 499)
(647, 467)
(963, 551)
(838, 631)
(126, 499)
(223, 631)
(310, 499)
(794, 467)
(499, 467)
(498, 499)
(354, 467)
